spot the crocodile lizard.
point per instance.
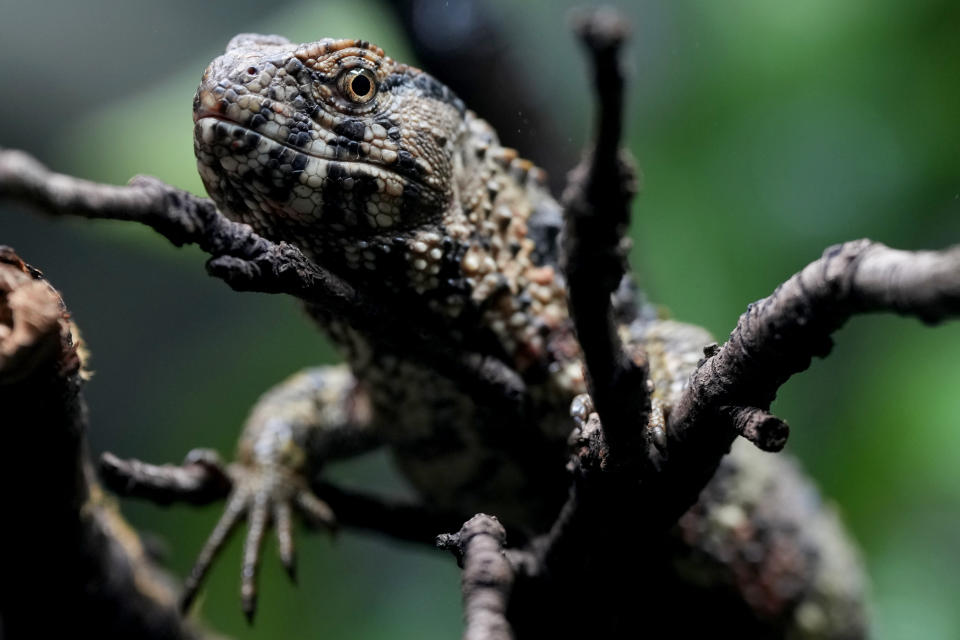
(378, 172)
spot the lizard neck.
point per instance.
(508, 250)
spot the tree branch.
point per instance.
(64, 542)
(731, 391)
(487, 578)
(201, 481)
(597, 212)
(779, 335)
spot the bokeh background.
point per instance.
(767, 130)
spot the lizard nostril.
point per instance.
(252, 71)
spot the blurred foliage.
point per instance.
(766, 132)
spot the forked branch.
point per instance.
(731, 392)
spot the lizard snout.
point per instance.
(206, 104)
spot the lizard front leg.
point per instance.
(315, 416)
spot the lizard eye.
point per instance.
(358, 85)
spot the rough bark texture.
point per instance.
(597, 212)
(487, 577)
(71, 564)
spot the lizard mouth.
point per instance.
(213, 126)
(299, 182)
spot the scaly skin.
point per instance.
(379, 173)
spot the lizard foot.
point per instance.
(265, 495)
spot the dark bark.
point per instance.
(596, 214)
(487, 579)
(204, 482)
(72, 567)
(779, 335)
(731, 392)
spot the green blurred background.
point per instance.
(767, 130)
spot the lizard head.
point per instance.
(328, 145)
(377, 171)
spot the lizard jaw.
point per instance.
(257, 178)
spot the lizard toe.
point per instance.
(257, 518)
(283, 521)
(265, 496)
(236, 507)
(316, 512)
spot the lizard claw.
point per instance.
(264, 495)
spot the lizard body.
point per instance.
(379, 173)
(447, 233)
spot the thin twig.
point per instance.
(487, 578)
(202, 482)
(596, 212)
